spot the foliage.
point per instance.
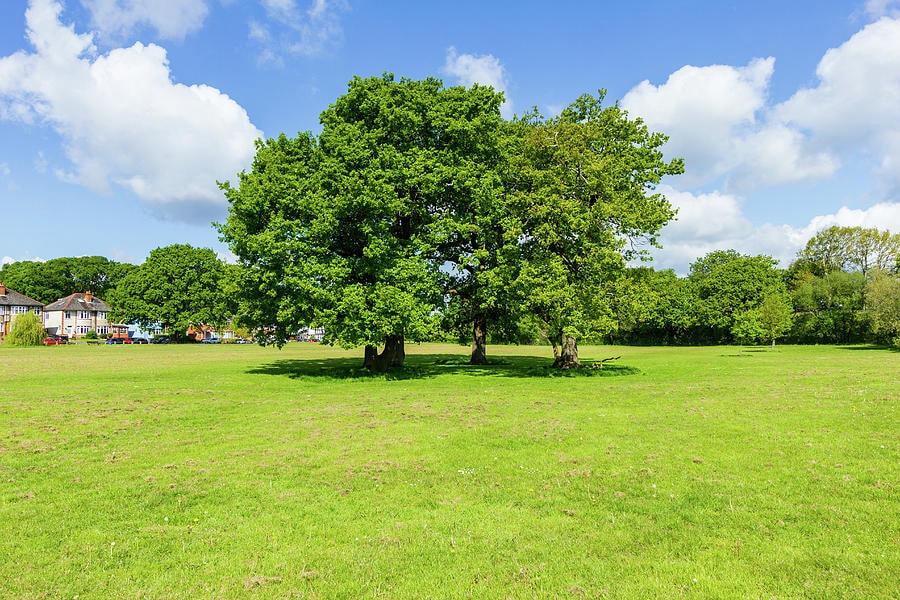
(56, 278)
(775, 316)
(26, 330)
(582, 188)
(884, 307)
(343, 231)
(728, 284)
(747, 326)
(829, 308)
(177, 286)
(850, 249)
(91, 335)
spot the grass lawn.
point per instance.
(238, 471)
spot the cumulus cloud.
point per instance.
(703, 110)
(468, 69)
(876, 9)
(856, 103)
(715, 221)
(293, 29)
(172, 19)
(122, 119)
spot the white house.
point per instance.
(13, 304)
(76, 314)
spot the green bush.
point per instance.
(91, 335)
(27, 330)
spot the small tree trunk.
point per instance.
(370, 357)
(479, 342)
(567, 357)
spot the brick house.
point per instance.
(76, 314)
(13, 304)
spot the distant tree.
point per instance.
(829, 308)
(849, 249)
(583, 191)
(747, 327)
(177, 286)
(27, 330)
(776, 316)
(884, 307)
(56, 278)
(727, 283)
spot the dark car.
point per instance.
(161, 339)
(55, 340)
(139, 340)
(114, 340)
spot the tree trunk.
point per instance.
(370, 357)
(393, 354)
(479, 341)
(567, 356)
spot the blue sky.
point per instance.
(117, 117)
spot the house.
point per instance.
(76, 314)
(13, 304)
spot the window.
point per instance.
(68, 314)
(83, 314)
(37, 310)
(19, 310)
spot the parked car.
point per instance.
(160, 339)
(114, 340)
(210, 340)
(55, 340)
(139, 340)
(243, 340)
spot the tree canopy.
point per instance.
(58, 277)
(418, 204)
(177, 286)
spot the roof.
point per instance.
(14, 298)
(77, 301)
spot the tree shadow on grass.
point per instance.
(867, 347)
(425, 366)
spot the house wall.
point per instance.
(76, 323)
(8, 316)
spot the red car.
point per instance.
(55, 340)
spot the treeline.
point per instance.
(843, 287)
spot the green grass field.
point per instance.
(246, 472)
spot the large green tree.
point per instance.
(177, 286)
(349, 230)
(583, 189)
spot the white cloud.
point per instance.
(715, 221)
(123, 120)
(856, 104)
(468, 69)
(295, 30)
(876, 9)
(704, 111)
(172, 19)
(7, 260)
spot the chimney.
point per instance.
(88, 297)
(2, 290)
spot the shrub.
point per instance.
(91, 335)
(27, 330)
